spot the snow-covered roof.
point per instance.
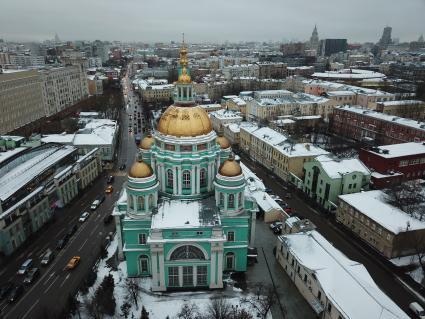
(340, 93)
(334, 86)
(58, 138)
(335, 168)
(269, 136)
(236, 127)
(373, 205)
(157, 84)
(9, 153)
(384, 117)
(185, 214)
(345, 282)
(399, 150)
(403, 102)
(349, 74)
(226, 114)
(21, 202)
(300, 150)
(22, 174)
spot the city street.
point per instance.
(389, 282)
(49, 293)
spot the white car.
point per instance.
(84, 217)
(275, 224)
(95, 204)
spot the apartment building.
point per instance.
(412, 109)
(384, 227)
(21, 99)
(222, 117)
(155, 90)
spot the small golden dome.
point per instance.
(146, 142)
(140, 170)
(224, 142)
(230, 168)
(181, 121)
(184, 77)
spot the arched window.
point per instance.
(230, 261)
(221, 204)
(187, 252)
(186, 179)
(144, 264)
(150, 200)
(130, 201)
(240, 199)
(140, 203)
(203, 177)
(231, 203)
(170, 178)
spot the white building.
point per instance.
(335, 286)
(222, 117)
(243, 70)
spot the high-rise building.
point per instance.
(314, 39)
(331, 46)
(386, 37)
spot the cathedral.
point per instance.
(184, 216)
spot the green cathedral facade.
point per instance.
(184, 217)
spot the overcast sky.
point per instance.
(214, 20)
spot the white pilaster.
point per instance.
(154, 270)
(209, 176)
(161, 270)
(174, 180)
(198, 179)
(226, 198)
(195, 279)
(179, 179)
(193, 180)
(220, 269)
(212, 269)
(180, 276)
(146, 202)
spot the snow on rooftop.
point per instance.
(349, 74)
(300, 98)
(403, 102)
(22, 174)
(226, 114)
(333, 86)
(336, 168)
(373, 205)
(384, 117)
(10, 153)
(269, 136)
(184, 214)
(345, 282)
(58, 138)
(402, 149)
(300, 149)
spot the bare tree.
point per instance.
(263, 300)
(133, 289)
(93, 308)
(188, 311)
(218, 308)
(409, 198)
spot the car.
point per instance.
(5, 290)
(122, 167)
(275, 224)
(95, 204)
(109, 189)
(48, 256)
(275, 197)
(26, 265)
(268, 190)
(72, 230)
(73, 262)
(107, 219)
(32, 275)
(288, 210)
(278, 229)
(110, 179)
(16, 292)
(417, 310)
(101, 198)
(83, 217)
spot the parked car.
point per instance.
(288, 210)
(275, 224)
(275, 197)
(109, 189)
(101, 198)
(278, 229)
(107, 219)
(16, 292)
(110, 179)
(417, 310)
(83, 217)
(95, 204)
(5, 290)
(72, 230)
(32, 275)
(62, 242)
(26, 265)
(48, 256)
(73, 262)
(268, 190)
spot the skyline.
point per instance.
(270, 20)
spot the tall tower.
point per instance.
(314, 39)
(386, 38)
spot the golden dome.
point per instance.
(230, 168)
(224, 142)
(146, 142)
(183, 121)
(140, 170)
(184, 77)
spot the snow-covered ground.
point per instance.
(417, 274)
(159, 305)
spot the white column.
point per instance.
(226, 196)
(146, 202)
(174, 180)
(236, 201)
(220, 269)
(135, 203)
(212, 269)
(193, 180)
(217, 198)
(195, 279)
(198, 179)
(179, 179)
(209, 176)
(154, 269)
(161, 270)
(180, 276)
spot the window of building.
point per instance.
(231, 201)
(201, 275)
(202, 147)
(329, 308)
(349, 186)
(187, 275)
(140, 202)
(187, 252)
(230, 236)
(221, 204)
(173, 276)
(186, 148)
(186, 179)
(199, 233)
(143, 262)
(240, 199)
(170, 147)
(169, 178)
(203, 177)
(142, 239)
(230, 261)
(354, 185)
